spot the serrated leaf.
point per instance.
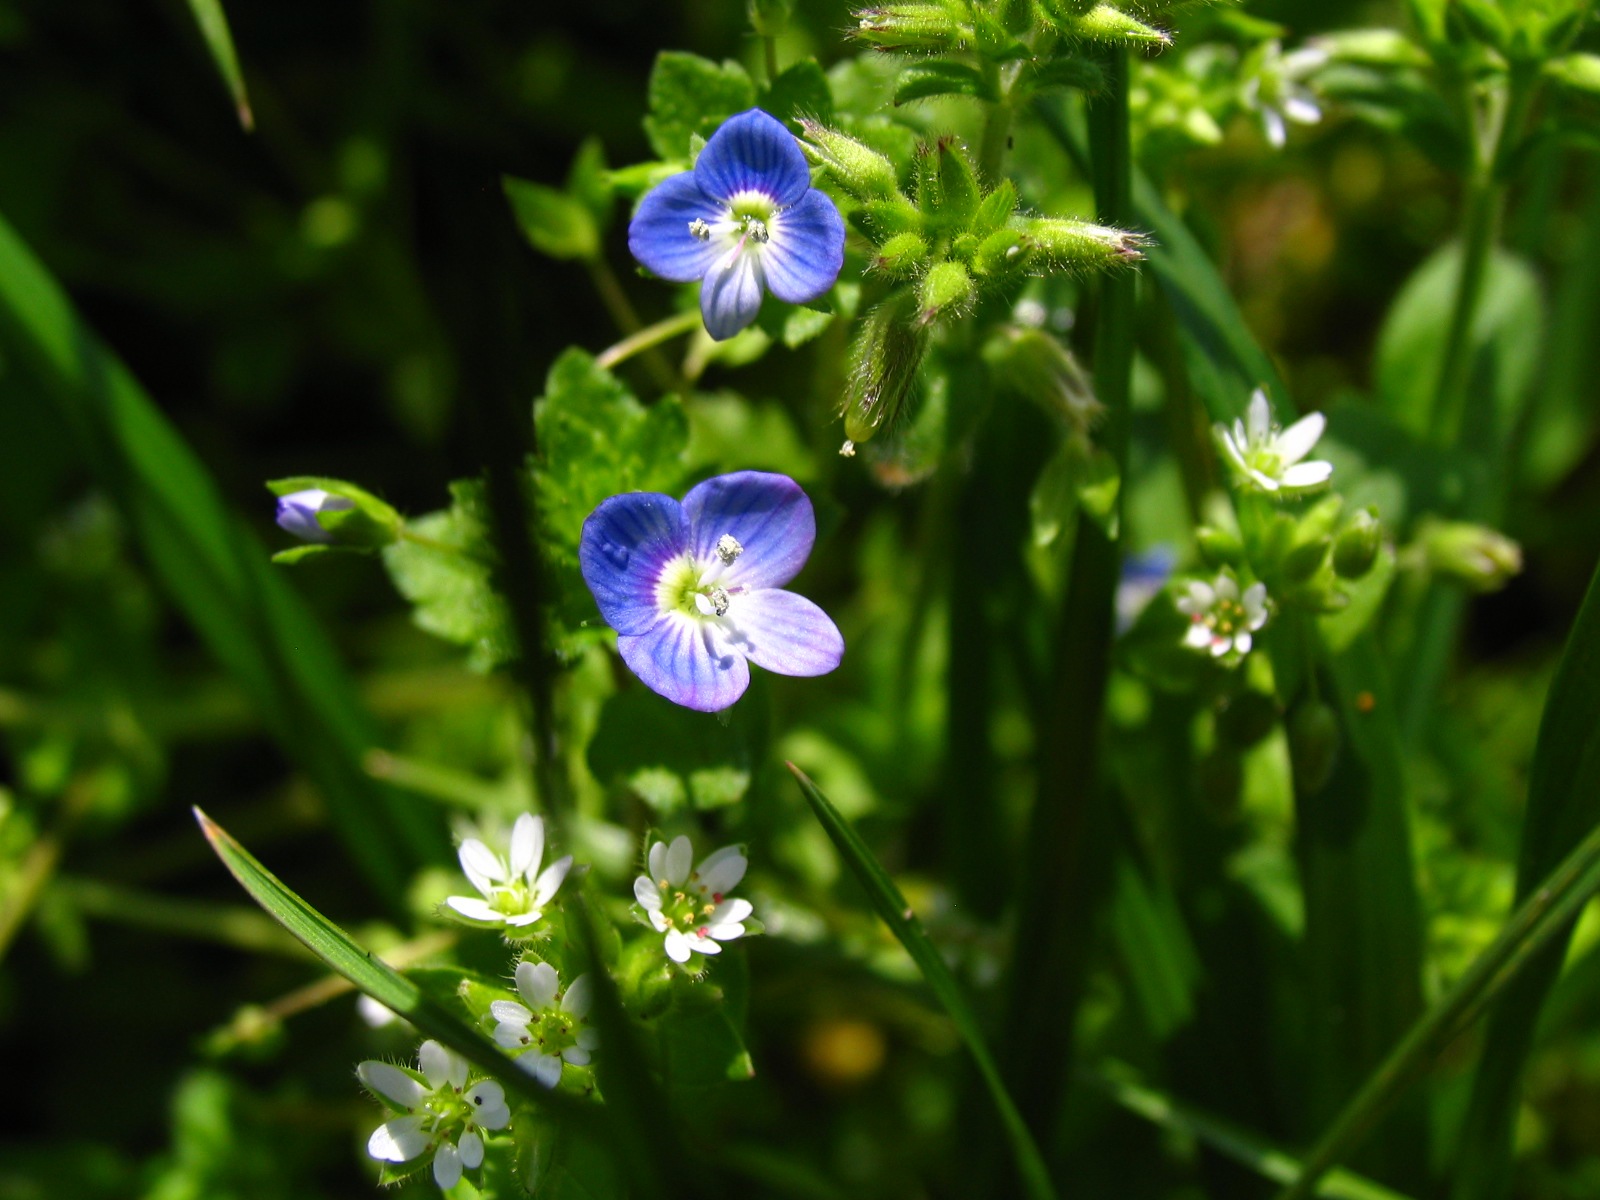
(692, 95)
(902, 921)
(554, 222)
(940, 77)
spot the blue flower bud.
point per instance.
(297, 513)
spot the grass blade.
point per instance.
(1563, 807)
(902, 921)
(1119, 1082)
(379, 980)
(1534, 937)
(213, 24)
(213, 569)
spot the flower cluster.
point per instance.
(1223, 620)
(549, 1027)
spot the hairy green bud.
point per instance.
(946, 289)
(1067, 10)
(1475, 555)
(902, 255)
(884, 360)
(1064, 244)
(1107, 23)
(859, 170)
(924, 28)
(1356, 548)
(995, 210)
(958, 183)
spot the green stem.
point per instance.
(41, 860)
(1546, 913)
(647, 338)
(996, 128)
(1063, 868)
(769, 50)
(627, 319)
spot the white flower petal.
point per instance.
(525, 918)
(537, 983)
(399, 1140)
(1255, 604)
(1197, 635)
(481, 865)
(390, 1082)
(647, 893)
(509, 1010)
(471, 1150)
(446, 1167)
(679, 856)
(488, 1100)
(440, 1067)
(1295, 442)
(1277, 131)
(657, 860)
(1227, 587)
(512, 1034)
(576, 1055)
(580, 995)
(1220, 646)
(1302, 109)
(1308, 474)
(659, 921)
(474, 908)
(550, 880)
(730, 911)
(703, 944)
(721, 870)
(527, 844)
(725, 931)
(677, 946)
(546, 1068)
(1242, 642)
(1258, 417)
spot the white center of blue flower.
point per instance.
(692, 588)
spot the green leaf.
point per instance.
(800, 90)
(557, 224)
(672, 758)
(692, 95)
(215, 571)
(902, 921)
(1563, 806)
(213, 24)
(596, 440)
(382, 982)
(1507, 338)
(1578, 72)
(441, 564)
(940, 77)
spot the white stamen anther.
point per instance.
(848, 450)
(700, 229)
(728, 548)
(719, 601)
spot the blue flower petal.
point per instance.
(753, 152)
(681, 660)
(624, 546)
(785, 633)
(806, 249)
(730, 297)
(767, 514)
(659, 233)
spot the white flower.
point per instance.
(1267, 458)
(514, 890)
(1221, 621)
(442, 1113)
(1277, 89)
(691, 907)
(547, 1030)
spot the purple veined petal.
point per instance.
(537, 983)
(721, 870)
(527, 844)
(446, 1166)
(805, 249)
(659, 234)
(769, 515)
(647, 894)
(390, 1082)
(677, 659)
(730, 296)
(399, 1140)
(783, 632)
(753, 152)
(679, 855)
(625, 545)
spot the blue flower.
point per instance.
(297, 513)
(745, 219)
(694, 590)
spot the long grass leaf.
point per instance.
(379, 980)
(213, 569)
(891, 906)
(213, 24)
(1563, 806)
